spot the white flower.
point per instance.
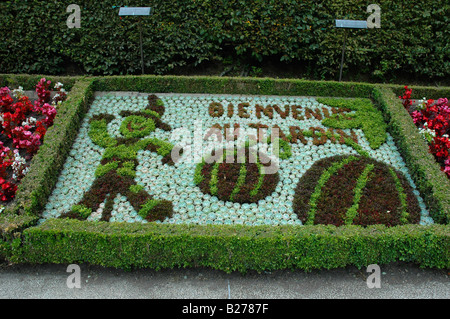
(18, 93)
(29, 121)
(19, 165)
(423, 100)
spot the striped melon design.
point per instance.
(355, 190)
(241, 181)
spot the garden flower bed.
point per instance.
(146, 186)
(432, 118)
(24, 123)
(341, 177)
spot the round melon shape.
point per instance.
(355, 190)
(242, 181)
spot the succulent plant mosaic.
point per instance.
(121, 167)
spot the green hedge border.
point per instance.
(433, 185)
(222, 247)
(46, 165)
(232, 248)
(232, 85)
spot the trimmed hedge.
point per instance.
(432, 183)
(231, 248)
(222, 247)
(232, 85)
(224, 85)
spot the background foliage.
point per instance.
(413, 38)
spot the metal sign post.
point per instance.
(348, 24)
(137, 11)
(342, 56)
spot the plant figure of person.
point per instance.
(115, 175)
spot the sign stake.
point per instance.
(343, 54)
(140, 39)
(348, 24)
(137, 11)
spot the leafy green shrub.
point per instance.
(190, 32)
(41, 42)
(231, 248)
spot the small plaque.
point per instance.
(134, 11)
(351, 24)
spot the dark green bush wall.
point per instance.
(413, 38)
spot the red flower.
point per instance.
(27, 137)
(436, 117)
(40, 129)
(440, 146)
(8, 191)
